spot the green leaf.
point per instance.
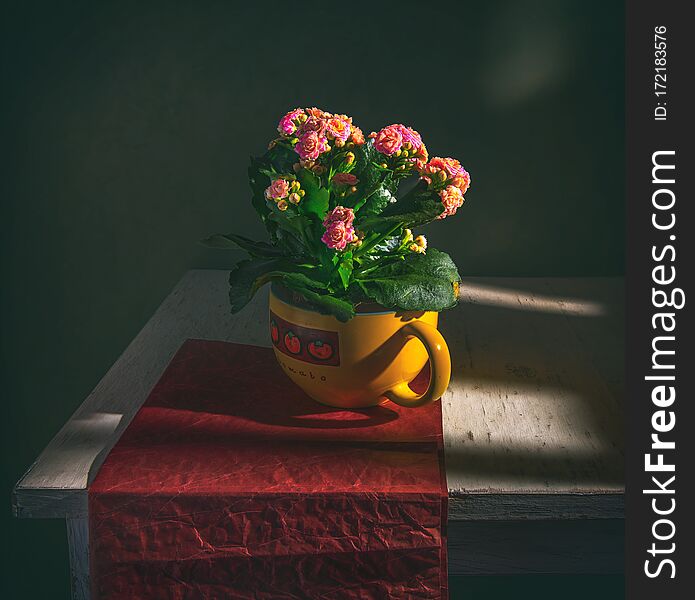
(420, 282)
(324, 303)
(293, 233)
(379, 199)
(376, 188)
(410, 292)
(298, 278)
(366, 170)
(231, 241)
(434, 263)
(345, 269)
(390, 244)
(248, 276)
(315, 201)
(418, 207)
(281, 159)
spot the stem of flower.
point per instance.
(380, 238)
(376, 264)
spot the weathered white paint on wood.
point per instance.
(532, 418)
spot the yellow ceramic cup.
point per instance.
(364, 362)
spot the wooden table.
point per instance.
(532, 420)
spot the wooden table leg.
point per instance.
(78, 548)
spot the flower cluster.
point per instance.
(281, 191)
(449, 179)
(403, 145)
(312, 131)
(340, 235)
(339, 228)
(326, 144)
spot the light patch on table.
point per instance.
(479, 293)
(534, 405)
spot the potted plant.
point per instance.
(352, 285)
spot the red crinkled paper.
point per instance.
(231, 483)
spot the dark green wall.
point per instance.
(126, 129)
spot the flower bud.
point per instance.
(339, 143)
(282, 204)
(405, 153)
(295, 198)
(421, 241)
(301, 193)
(353, 189)
(384, 166)
(408, 235)
(442, 176)
(349, 158)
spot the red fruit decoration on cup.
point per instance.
(320, 350)
(292, 343)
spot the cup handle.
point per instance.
(440, 366)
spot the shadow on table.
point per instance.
(532, 362)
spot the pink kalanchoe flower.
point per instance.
(345, 179)
(338, 128)
(310, 145)
(389, 140)
(338, 235)
(316, 124)
(279, 188)
(410, 135)
(452, 199)
(420, 158)
(462, 180)
(318, 113)
(357, 137)
(288, 123)
(340, 214)
(445, 169)
(450, 165)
